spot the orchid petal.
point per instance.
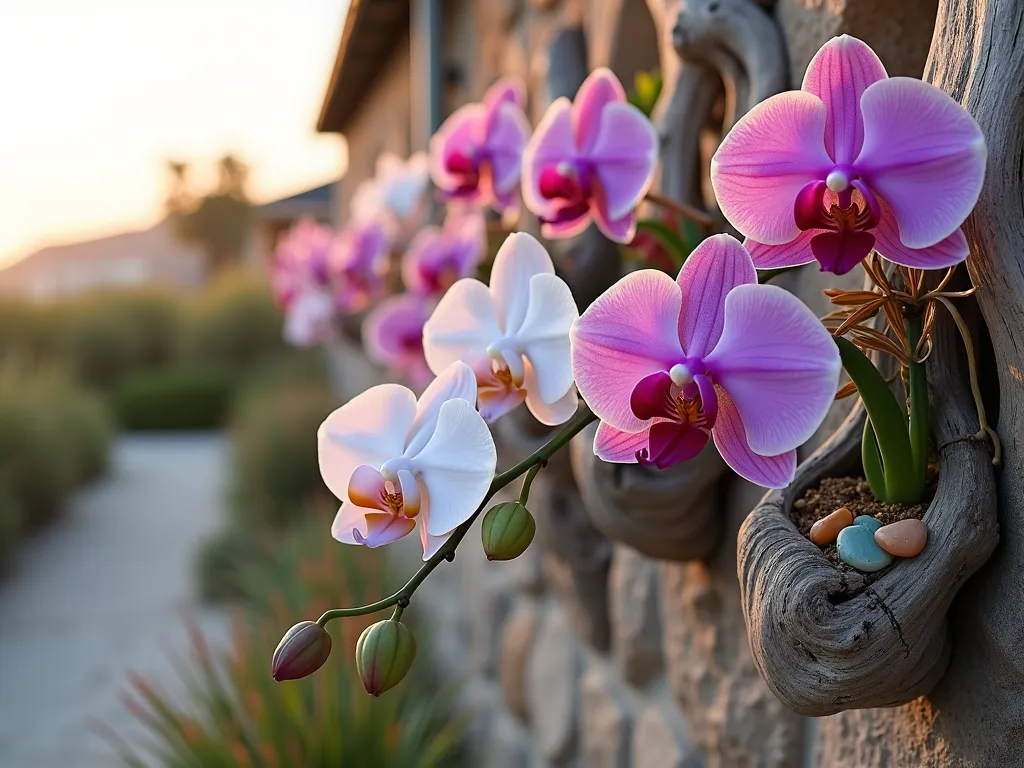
(369, 429)
(507, 90)
(455, 381)
(563, 230)
(550, 414)
(430, 544)
(599, 91)
(839, 252)
(629, 332)
(839, 74)
(351, 518)
(366, 488)
(792, 254)
(924, 155)
(779, 365)
(714, 268)
(462, 130)
(617, 230)
(507, 136)
(673, 443)
(520, 257)
(462, 326)
(552, 142)
(731, 441)
(945, 253)
(383, 528)
(652, 397)
(495, 402)
(393, 329)
(543, 336)
(624, 156)
(764, 162)
(456, 466)
(618, 447)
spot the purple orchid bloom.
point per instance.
(854, 161)
(360, 262)
(301, 259)
(666, 364)
(475, 155)
(438, 257)
(593, 158)
(393, 337)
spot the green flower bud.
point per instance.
(384, 654)
(507, 530)
(302, 651)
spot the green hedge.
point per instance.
(181, 397)
(53, 438)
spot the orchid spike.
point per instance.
(393, 337)
(854, 161)
(393, 460)
(475, 155)
(301, 260)
(438, 257)
(593, 158)
(514, 334)
(360, 263)
(667, 364)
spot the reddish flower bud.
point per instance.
(301, 652)
(384, 654)
(507, 530)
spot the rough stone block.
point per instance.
(635, 620)
(551, 687)
(660, 740)
(604, 721)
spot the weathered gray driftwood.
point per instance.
(671, 514)
(827, 641)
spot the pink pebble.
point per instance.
(905, 538)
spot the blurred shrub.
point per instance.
(179, 397)
(236, 715)
(234, 323)
(108, 335)
(275, 475)
(223, 558)
(53, 437)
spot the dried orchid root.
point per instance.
(528, 466)
(986, 431)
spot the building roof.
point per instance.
(311, 202)
(373, 29)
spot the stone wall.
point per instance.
(584, 651)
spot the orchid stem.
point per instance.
(686, 211)
(524, 494)
(531, 463)
(917, 389)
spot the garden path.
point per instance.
(103, 592)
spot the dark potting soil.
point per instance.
(855, 494)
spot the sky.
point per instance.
(96, 96)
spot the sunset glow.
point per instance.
(94, 97)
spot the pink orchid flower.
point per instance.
(514, 334)
(475, 155)
(393, 460)
(666, 364)
(397, 189)
(438, 257)
(301, 259)
(359, 265)
(593, 158)
(854, 161)
(307, 320)
(393, 337)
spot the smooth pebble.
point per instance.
(905, 538)
(857, 547)
(868, 522)
(827, 529)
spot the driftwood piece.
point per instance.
(975, 716)
(671, 514)
(825, 640)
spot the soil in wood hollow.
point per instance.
(855, 494)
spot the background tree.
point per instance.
(218, 221)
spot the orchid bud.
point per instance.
(384, 654)
(507, 530)
(301, 652)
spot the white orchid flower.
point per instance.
(514, 334)
(393, 460)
